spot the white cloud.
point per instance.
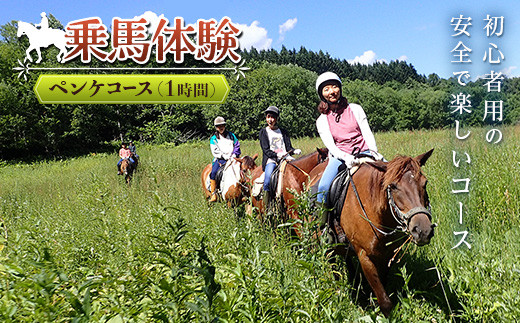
(368, 58)
(152, 18)
(285, 27)
(254, 36)
(506, 72)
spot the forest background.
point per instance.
(394, 96)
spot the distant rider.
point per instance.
(124, 153)
(224, 145)
(132, 148)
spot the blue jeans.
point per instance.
(328, 176)
(326, 179)
(119, 162)
(269, 168)
(215, 166)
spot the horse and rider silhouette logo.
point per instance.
(42, 37)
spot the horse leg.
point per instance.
(28, 55)
(39, 55)
(62, 52)
(373, 276)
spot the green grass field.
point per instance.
(78, 244)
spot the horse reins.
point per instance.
(301, 170)
(242, 174)
(374, 228)
(403, 219)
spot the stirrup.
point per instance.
(340, 234)
(328, 233)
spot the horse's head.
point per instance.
(125, 166)
(308, 162)
(21, 29)
(405, 186)
(323, 153)
(247, 164)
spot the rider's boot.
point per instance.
(268, 209)
(321, 213)
(213, 190)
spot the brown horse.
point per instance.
(233, 186)
(294, 175)
(127, 169)
(391, 203)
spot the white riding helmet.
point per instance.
(219, 121)
(326, 77)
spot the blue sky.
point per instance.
(418, 32)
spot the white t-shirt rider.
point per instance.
(276, 143)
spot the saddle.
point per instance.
(218, 176)
(274, 184)
(130, 162)
(338, 193)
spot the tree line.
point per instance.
(394, 96)
(379, 72)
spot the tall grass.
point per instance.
(82, 245)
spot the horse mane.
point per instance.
(304, 157)
(397, 167)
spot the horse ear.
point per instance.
(421, 159)
(255, 156)
(240, 160)
(322, 151)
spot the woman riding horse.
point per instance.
(224, 145)
(343, 128)
(276, 145)
(124, 153)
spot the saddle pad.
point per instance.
(208, 183)
(258, 185)
(280, 179)
(218, 179)
(338, 188)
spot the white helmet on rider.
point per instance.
(324, 79)
(219, 121)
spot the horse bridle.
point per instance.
(242, 180)
(404, 218)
